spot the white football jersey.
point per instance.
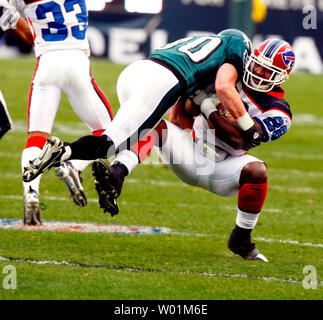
(57, 25)
(269, 109)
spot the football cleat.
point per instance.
(108, 184)
(71, 177)
(48, 157)
(244, 248)
(32, 208)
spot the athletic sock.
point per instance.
(92, 147)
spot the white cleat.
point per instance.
(49, 156)
(32, 208)
(256, 255)
(71, 177)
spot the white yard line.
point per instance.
(142, 270)
(180, 205)
(190, 234)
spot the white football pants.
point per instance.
(67, 71)
(146, 91)
(187, 161)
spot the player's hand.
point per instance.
(9, 18)
(252, 137)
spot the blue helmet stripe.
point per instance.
(272, 48)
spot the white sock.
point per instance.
(246, 220)
(66, 155)
(30, 154)
(128, 158)
(80, 165)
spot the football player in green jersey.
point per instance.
(148, 88)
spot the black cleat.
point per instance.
(244, 247)
(108, 184)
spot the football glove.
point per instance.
(9, 18)
(252, 137)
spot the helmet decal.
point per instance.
(288, 58)
(272, 47)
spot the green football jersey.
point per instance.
(197, 59)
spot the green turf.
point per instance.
(192, 264)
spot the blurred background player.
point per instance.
(148, 88)
(62, 52)
(11, 22)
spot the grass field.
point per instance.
(192, 262)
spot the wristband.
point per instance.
(245, 122)
(208, 106)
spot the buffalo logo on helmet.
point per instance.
(288, 57)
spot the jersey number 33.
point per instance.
(72, 13)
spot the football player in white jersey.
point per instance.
(11, 22)
(62, 52)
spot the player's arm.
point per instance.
(226, 127)
(11, 21)
(180, 114)
(22, 31)
(225, 83)
(228, 131)
(225, 86)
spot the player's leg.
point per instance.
(153, 91)
(42, 107)
(245, 175)
(252, 194)
(109, 179)
(91, 105)
(181, 155)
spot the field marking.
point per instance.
(306, 119)
(142, 270)
(58, 226)
(180, 205)
(15, 224)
